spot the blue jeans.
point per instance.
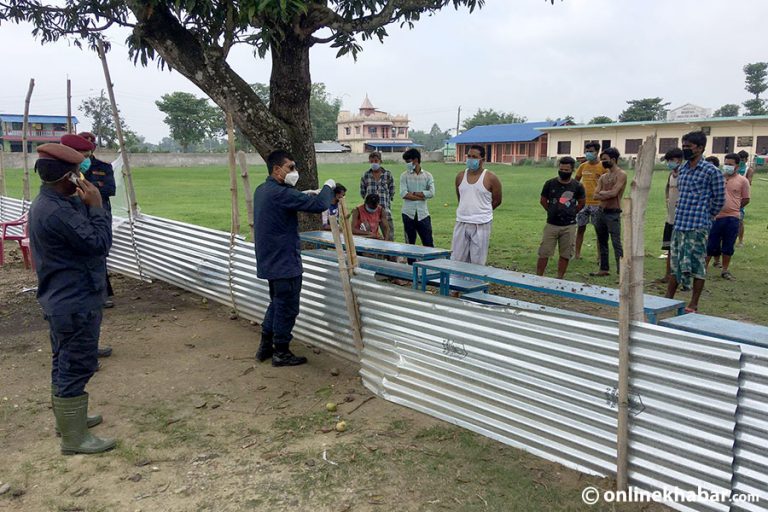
(283, 309)
(722, 236)
(74, 345)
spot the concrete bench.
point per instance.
(725, 328)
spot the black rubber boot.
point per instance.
(71, 414)
(284, 357)
(90, 421)
(265, 348)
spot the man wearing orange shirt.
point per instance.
(587, 174)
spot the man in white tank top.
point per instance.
(479, 193)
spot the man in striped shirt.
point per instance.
(377, 180)
(702, 195)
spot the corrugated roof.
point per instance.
(401, 144)
(519, 132)
(700, 120)
(330, 147)
(18, 118)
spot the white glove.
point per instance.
(330, 183)
(311, 192)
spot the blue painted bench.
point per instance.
(725, 328)
(652, 305)
(400, 271)
(498, 300)
(377, 246)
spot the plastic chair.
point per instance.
(4, 235)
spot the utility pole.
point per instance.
(69, 106)
(458, 120)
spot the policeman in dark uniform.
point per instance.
(102, 176)
(70, 235)
(85, 147)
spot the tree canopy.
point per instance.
(728, 110)
(99, 111)
(433, 139)
(646, 109)
(485, 117)
(756, 78)
(190, 119)
(600, 120)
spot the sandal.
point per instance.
(727, 275)
(690, 310)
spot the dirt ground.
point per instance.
(202, 427)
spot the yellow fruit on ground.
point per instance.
(330, 407)
(341, 426)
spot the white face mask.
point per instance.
(292, 178)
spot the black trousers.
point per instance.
(283, 309)
(74, 343)
(422, 227)
(608, 224)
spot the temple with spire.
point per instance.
(373, 130)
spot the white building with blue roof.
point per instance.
(41, 129)
(507, 143)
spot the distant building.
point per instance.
(688, 111)
(42, 129)
(330, 147)
(724, 135)
(506, 143)
(373, 130)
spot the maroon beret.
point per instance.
(52, 151)
(77, 142)
(88, 135)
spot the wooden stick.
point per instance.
(346, 285)
(69, 106)
(625, 308)
(24, 135)
(246, 189)
(639, 191)
(127, 178)
(2, 173)
(235, 216)
(349, 239)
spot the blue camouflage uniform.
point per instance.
(70, 242)
(278, 251)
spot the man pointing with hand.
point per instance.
(70, 235)
(276, 204)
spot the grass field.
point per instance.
(201, 196)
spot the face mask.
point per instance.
(292, 178)
(728, 169)
(410, 166)
(590, 155)
(565, 176)
(375, 167)
(672, 165)
(473, 164)
(85, 165)
(369, 210)
(607, 164)
(687, 153)
(742, 166)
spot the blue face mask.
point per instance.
(473, 164)
(85, 164)
(410, 166)
(590, 155)
(375, 167)
(672, 165)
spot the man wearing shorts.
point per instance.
(702, 196)
(562, 198)
(748, 172)
(673, 157)
(587, 174)
(725, 229)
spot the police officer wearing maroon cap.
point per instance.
(70, 235)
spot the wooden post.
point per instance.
(2, 173)
(246, 189)
(346, 226)
(127, 178)
(235, 216)
(625, 308)
(69, 106)
(345, 272)
(639, 190)
(24, 135)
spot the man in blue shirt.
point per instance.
(70, 234)
(701, 187)
(276, 204)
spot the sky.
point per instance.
(578, 57)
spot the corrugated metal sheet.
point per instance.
(539, 381)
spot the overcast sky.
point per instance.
(579, 57)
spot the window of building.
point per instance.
(521, 149)
(357, 130)
(17, 126)
(347, 130)
(632, 146)
(762, 145)
(507, 149)
(605, 144)
(564, 147)
(372, 130)
(706, 129)
(722, 144)
(665, 144)
(744, 142)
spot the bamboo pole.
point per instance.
(246, 189)
(346, 284)
(25, 152)
(625, 308)
(235, 215)
(639, 191)
(2, 173)
(69, 106)
(346, 226)
(127, 178)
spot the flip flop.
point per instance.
(690, 310)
